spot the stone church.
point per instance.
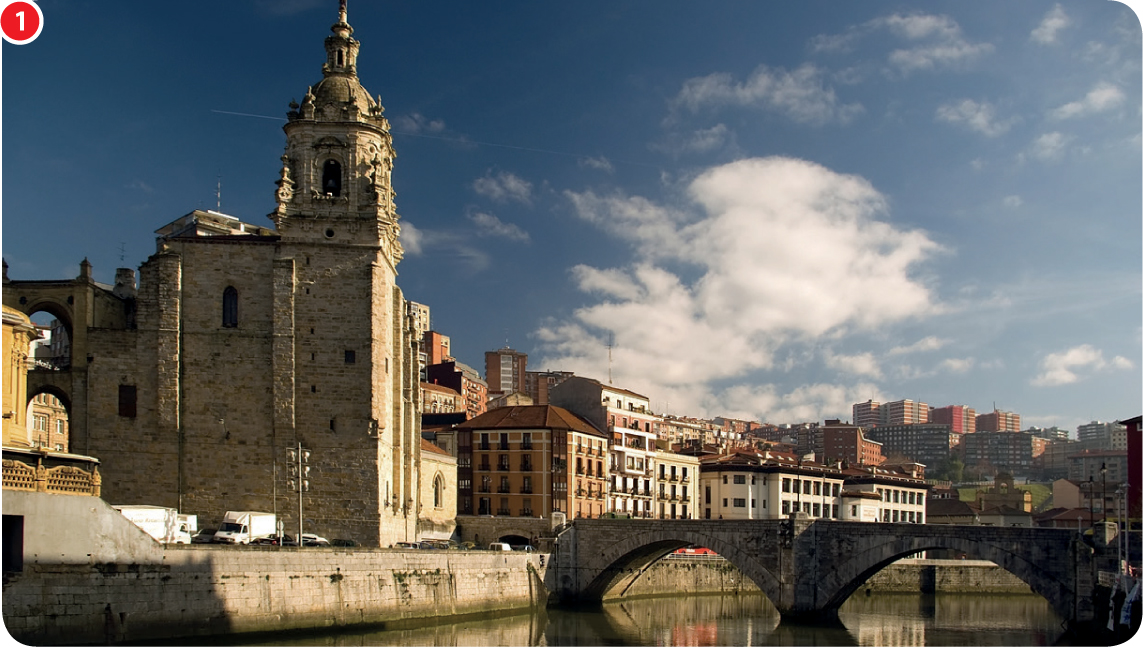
(242, 343)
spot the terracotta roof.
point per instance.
(426, 446)
(538, 416)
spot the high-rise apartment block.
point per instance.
(871, 414)
(1010, 451)
(961, 419)
(998, 421)
(866, 414)
(504, 371)
(927, 443)
(1102, 435)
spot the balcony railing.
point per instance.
(483, 467)
(504, 489)
(504, 512)
(35, 470)
(503, 467)
(526, 512)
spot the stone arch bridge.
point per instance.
(808, 568)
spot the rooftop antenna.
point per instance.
(122, 251)
(218, 193)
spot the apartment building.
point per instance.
(504, 371)
(1011, 451)
(537, 384)
(677, 478)
(531, 461)
(998, 421)
(960, 418)
(927, 443)
(773, 485)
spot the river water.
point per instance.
(879, 619)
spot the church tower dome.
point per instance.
(335, 185)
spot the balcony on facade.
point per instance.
(504, 512)
(526, 512)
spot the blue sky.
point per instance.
(769, 210)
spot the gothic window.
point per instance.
(331, 178)
(438, 491)
(230, 307)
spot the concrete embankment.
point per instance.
(208, 590)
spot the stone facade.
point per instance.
(242, 341)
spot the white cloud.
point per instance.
(449, 244)
(1102, 97)
(955, 365)
(489, 225)
(1013, 201)
(702, 141)
(923, 345)
(1066, 367)
(800, 95)
(934, 41)
(1054, 21)
(411, 239)
(976, 116)
(597, 163)
(1049, 146)
(416, 123)
(768, 254)
(504, 187)
(859, 364)
(806, 403)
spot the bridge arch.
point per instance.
(616, 568)
(1038, 565)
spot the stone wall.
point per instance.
(944, 576)
(706, 575)
(211, 590)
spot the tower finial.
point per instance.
(341, 12)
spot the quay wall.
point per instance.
(211, 590)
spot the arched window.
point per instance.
(438, 492)
(230, 307)
(331, 178)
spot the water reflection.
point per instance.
(893, 620)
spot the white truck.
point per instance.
(166, 525)
(244, 527)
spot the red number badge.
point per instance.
(21, 21)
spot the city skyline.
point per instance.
(760, 212)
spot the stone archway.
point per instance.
(618, 565)
(1046, 566)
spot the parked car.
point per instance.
(524, 548)
(275, 540)
(344, 543)
(313, 540)
(499, 545)
(404, 544)
(204, 536)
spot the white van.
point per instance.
(499, 545)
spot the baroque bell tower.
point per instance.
(344, 351)
(335, 182)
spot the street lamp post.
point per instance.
(1103, 491)
(1091, 502)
